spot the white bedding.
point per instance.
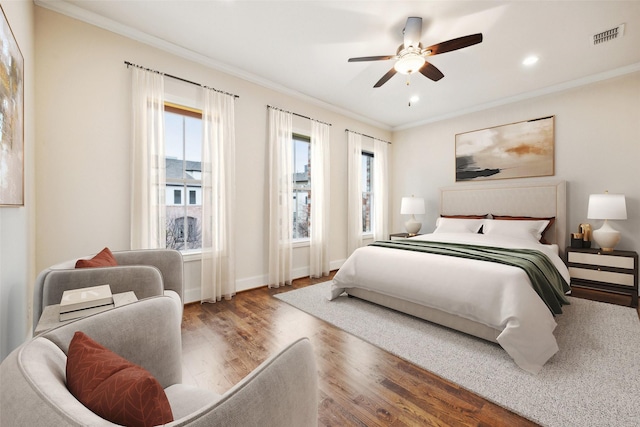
(495, 295)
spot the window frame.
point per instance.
(184, 185)
(300, 241)
(371, 194)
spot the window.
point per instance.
(183, 158)
(367, 192)
(301, 186)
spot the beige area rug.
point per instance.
(594, 380)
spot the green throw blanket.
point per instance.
(544, 277)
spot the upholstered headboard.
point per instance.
(538, 199)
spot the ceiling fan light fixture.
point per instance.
(409, 63)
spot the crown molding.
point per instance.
(91, 18)
(527, 95)
(94, 19)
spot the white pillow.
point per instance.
(457, 225)
(518, 229)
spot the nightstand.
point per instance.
(604, 276)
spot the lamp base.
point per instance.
(606, 237)
(412, 226)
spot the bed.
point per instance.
(493, 301)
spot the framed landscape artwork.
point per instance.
(11, 118)
(517, 150)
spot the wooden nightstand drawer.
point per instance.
(603, 260)
(602, 276)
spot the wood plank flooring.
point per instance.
(359, 384)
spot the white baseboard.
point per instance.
(247, 283)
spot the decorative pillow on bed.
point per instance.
(457, 225)
(528, 218)
(520, 229)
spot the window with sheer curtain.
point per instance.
(298, 196)
(367, 208)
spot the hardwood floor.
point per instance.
(359, 384)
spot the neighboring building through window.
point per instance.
(367, 192)
(183, 158)
(301, 186)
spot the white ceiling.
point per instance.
(303, 46)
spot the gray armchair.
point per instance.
(280, 392)
(147, 272)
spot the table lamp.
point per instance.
(412, 206)
(607, 206)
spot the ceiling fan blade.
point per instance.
(371, 58)
(412, 31)
(430, 71)
(386, 77)
(455, 44)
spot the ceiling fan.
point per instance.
(411, 55)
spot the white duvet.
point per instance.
(496, 295)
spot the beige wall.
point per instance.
(17, 224)
(83, 128)
(597, 148)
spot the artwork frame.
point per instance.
(517, 150)
(11, 117)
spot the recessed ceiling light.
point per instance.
(414, 99)
(530, 60)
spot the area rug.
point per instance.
(594, 380)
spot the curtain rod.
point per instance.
(368, 136)
(299, 115)
(129, 64)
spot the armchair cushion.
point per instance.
(113, 387)
(103, 259)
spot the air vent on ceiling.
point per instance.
(608, 35)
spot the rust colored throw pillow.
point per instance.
(103, 259)
(114, 388)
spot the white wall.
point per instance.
(83, 128)
(597, 148)
(17, 224)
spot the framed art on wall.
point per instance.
(517, 150)
(11, 118)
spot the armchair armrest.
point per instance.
(281, 392)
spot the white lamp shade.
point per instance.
(412, 206)
(607, 206)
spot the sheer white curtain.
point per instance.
(280, 197)
(354, 192)
(320, 161)
(380, 190)
(218, 196)
(148, 227)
